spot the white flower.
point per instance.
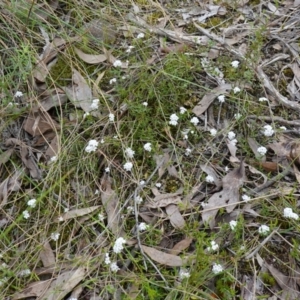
(107, 260)
(214, 246)
(145, 103)
(183, 273)
(107, 169)
(118, 246)
(129, 49)
(188, 151)
(141, 35)
(72, 298)
(233, 142)
(130, 209)
(288, 213)
(138, 199)
(221, 98)
(97, 192)
(262, 99)
(226, 169)
(213, 132)
(128, 166)
(209, 179)
(217, 268)
(101, 217)
(262, 150)
(60, 219)
(142, 182)
(235, 64)
(182, 110)
(236, 90)
(117, 63)
(66, 209)
(55, 236)
(24, 273)
(53, 159)
(246, 198)
(282, 127)
(268, 130)
(231, 135)
(111, 117)
(203, 204)
(237, 116)
(113, 80)
(114, 267)
(86, 114)
(263, 229)
(143, 226)
(194, 121)
(92, 146)
(147, 147)
(26, 214)
(95, 104)
(173, 120)
(18, 94)
(158, 185)
(232, 224)
(129, 152)
(102, 141)
(31, 203)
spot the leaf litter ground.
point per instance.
(208, 209)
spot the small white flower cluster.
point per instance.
(117, 63)
(246, 198)
(118, 246)
(235, 64)
(129, 49)
(158, 185)
(217, 268)
(128, 166)
(95, 104)
(24, 273)
(221, 98)
(237, 116)
(129, 152)
(141, 35)
(112, 81)
(55, 236)
(143, 226)
(173, 120)
(231, 135)
(188, 151)
(233, 224)
(111, 117)
(262, 99)
(236, 90)
(113, 265)
(142, 182)
(263, 229)
(31, 203)
(268, 130)
(183, 273)
(145, 104)
(92, 146)
(262, 150)
(26, 214)
(147, 147)
(288, 213)
(182, 110)
(138, 199)
(53, 159)
(101, 217)
(214, 246)
(195, 121)
(213, 132)
(18, 94)
(209, 179)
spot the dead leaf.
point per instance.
(71, 214)
(64, 284)
(53, 148)
(180, 246)
(163, 200)
(210, 171)
(227, 198)
(5, 156)
(8, 185)
(46, 255)
(162, 257)
(90, 58)
(175, 216)
(30, 162)
(51, 98)
(34, 289)
(80, 93)
(209, 98)
(110, 201)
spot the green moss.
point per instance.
(268, 279)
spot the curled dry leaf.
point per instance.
(80, 93)
(10, 184)
(181, 246)
(175, 216)
(227, 198)
(46, 255)
(208, 99)
(110, 202)
(34, 289)
(78, 212)
(162, 257)
(163, 200)
(51, 98)
(210, 171)
(90, 58)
